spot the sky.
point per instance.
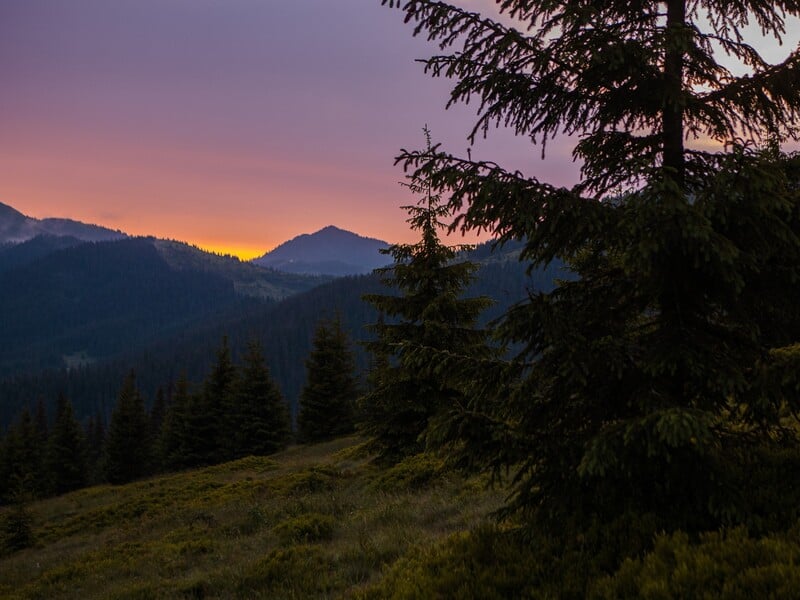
(230, 124)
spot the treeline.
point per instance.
(237, 411)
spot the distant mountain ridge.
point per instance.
(17, 228)
(329, 251)
(61, 297)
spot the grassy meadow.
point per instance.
(311, 522)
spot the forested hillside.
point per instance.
(66, 304)
(285, 330)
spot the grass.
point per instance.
(311, 522)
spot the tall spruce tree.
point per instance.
(128, 445)
(639, 381)
(95, 443)
(205, 432)
(173, 446)
(22, 459)
(65, 456)
(327, 401)
(429, 319)
(258, 417)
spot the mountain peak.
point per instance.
(329, 251)
(9, 213)
(16, 228)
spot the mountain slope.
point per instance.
(18, 255)
(16, 228)
(285, 330)
(309, 522)
(248, 279)
(95, 300)
(330, 251)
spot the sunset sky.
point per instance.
(230, 124)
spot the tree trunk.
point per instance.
(672, 118)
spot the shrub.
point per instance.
(16, 531)
(486, 564)
(296, 572)
(411, 473)
(727, 565)
(312, 527)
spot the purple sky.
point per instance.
(232, 124)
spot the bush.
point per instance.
(727, 565)
(487, 564)
(16, 532)
(312, 527)
(411, 473)
(296, 572)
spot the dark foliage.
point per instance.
(172, 447)
(636, 381)
(22, 459)
(257, 421)
(127, 453)
(327, 402)
(429, 315)
(65, 454)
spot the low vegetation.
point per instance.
(309, 522)
(324, 521)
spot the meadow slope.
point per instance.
(311, 522)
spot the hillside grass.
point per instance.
(311, 522)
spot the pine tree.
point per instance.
(205, 434)
(258, 417)
(40, 422)
(127, 453)
(65, 458)
(430, 319)
(95, 441)
(157, 413)
(637, 381)
(327, 401)
(172, 449)
(22, 459)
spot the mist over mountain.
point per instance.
(16, 228)
(329, 251)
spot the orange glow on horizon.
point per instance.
(243, 253)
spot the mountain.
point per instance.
(248, 279)
(16, 228)
(329, 251)
(285, 329)
(91, 301)
(24, 253)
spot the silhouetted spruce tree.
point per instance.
(327, 401)
(127, 454)
(258, 417)
(22, 460)
(429, 318)
(65, 455)
(40, 422)
(95, 442)
(172, 448)
(637, 383)
(157, 413)
(205, 432)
